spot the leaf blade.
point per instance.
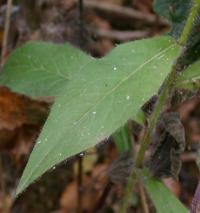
(190, 78)
(100, 101)
(163, 199)
(42, 69)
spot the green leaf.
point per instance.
(190, 78)
(163, 199)
(123, 139)
(106, 93)
(175, 11)
(42, 69)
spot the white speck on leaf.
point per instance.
(114, 68)
(127, 97)
(94, 113)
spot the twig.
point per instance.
(129, 190)
(6, 31)
(81, 22)
(188, 157)
(79, 185)
(120, 35)
(143, 199)
(168, 86)
(3, 187)
(80, 6)
(120, 11)
(103, 197)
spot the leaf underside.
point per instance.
(99, 97)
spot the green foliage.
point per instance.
(42, 69)
(163, 199)
(96, 97)
(100, 97)
(190, 78)
(123, 139)
(175, 11)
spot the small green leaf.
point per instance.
(175, 11)
(190, 78)
(123, 139)
(104, 95)
(42, 69)
(163, 199)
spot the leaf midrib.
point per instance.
(121, 82)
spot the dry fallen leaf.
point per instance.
(17, 111)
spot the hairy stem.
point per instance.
(163, 97)
(167, 88)
(169, 83)
(190, 23)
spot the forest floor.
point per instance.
(84, 181)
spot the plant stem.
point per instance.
(169, 83)
(143, 198)
(163, 97)
(190, 23)
(128, 192)
(101, 202)
(167, 88)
